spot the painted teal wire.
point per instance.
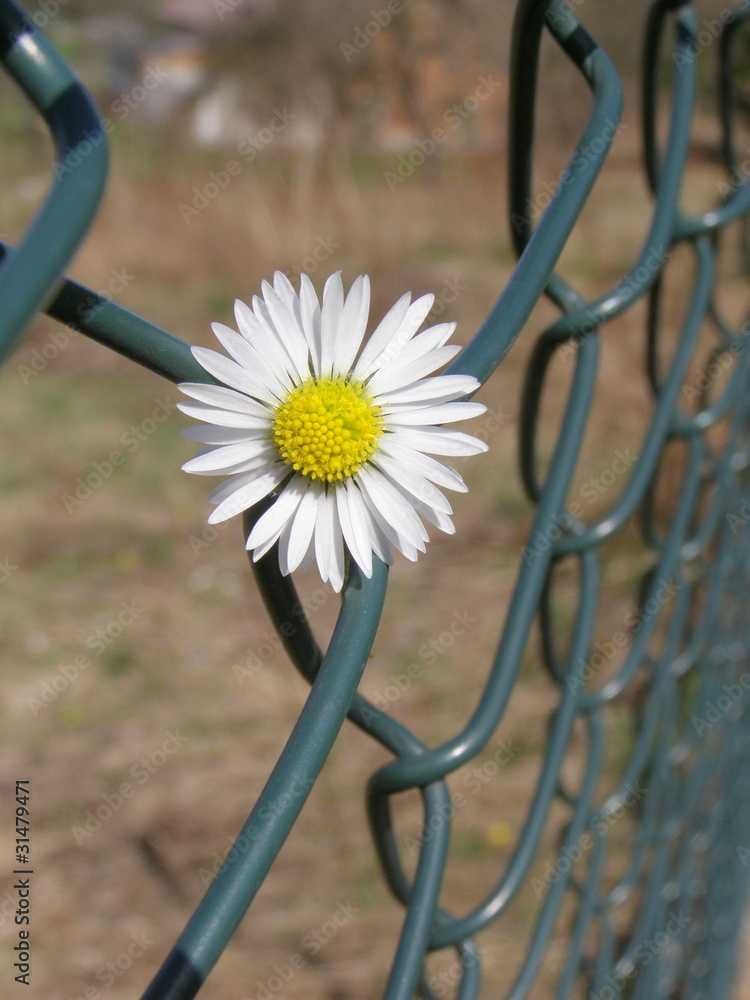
(121, 330)
(29, 274)
(421, 898)
(478, 730)
(677, 812)
(227, 899)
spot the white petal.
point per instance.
(395, 540)
(324, 534)
(356, 541)
(224, 418)
(223, 398)
(206, 434)
(272, 342)
(329, 545)
(288, 330)
(386, 329)
(439, 441)
(231, 374)
(441, 388)
(423, 343)
(361, 525)
(248, 494)
(397, 376)
(237, 346)
(229, 485)
(378, 540)
(277, 383)
(392, 505)
(426, 466)
(333, 304)
(303, 526)
(436, 517)
(284, 288)
(415, 316)
(441, 413)
(261, 550)
(264, 342)
(273, 337)
(425, 505)
(266, 458)
(418, 486)
(352, 325)
(310, 317)
(219, 459)
(336, 561)
(304, 314)
(308, 561)
(284, 537)
(243, 352)
(271, 522)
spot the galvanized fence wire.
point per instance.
(687, 872)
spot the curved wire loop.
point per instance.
(685, 648)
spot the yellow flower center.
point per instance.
(327, 429)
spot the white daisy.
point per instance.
(344, 437)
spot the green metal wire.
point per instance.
(686, 872)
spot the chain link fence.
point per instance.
(685, 672)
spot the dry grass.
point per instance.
(180, 603)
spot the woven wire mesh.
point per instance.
(686, 780)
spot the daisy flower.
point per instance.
(345, 437)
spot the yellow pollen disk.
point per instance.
(326, 429)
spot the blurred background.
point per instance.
(145, 692)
